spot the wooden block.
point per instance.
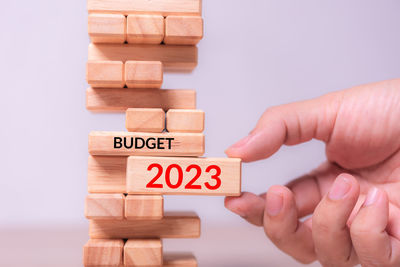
(107, 28)
(150, 120)
(160, 7)
(143, 252)
(180, 176)
(173, 57)
(103, 252)
(107, 174)
(143, 74)
(179, 260)
(119, 100)
(144, 207)
(185, 120)
(183, 30)
(105, 74)
(105, 206)
(151, 144)
(145, 29)
(172, 225)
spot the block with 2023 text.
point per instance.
(190, 176)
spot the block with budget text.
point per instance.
(144, 207)
(105, 74)
(103, 253)
(143, 74)
(185, 120)
(143, 252)
(183, 176)
(107, 28)
(145, 29)
(105, 206)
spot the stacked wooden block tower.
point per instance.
(133, 42)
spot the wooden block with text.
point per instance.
(183, 176)
(185, 120)
(145, 29)
(144, 207)
(172, 225)
(160, 7)
(120, 99)
(105, 206)
(143, 252)
(107, 28)
(151, 120)
(105, 74)
(107, 174)
(183, 30)
(143, 74)
(150, 144)
(103, 253)
(179, 260)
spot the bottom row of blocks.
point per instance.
(133, 252)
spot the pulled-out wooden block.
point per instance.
(183, 30)
(150, 144)
(144, 207)
(103, 253)
(172, 225)
(119, 100)
(179, 260)
(143, 74)
(185, 121)
(143, 252)
(180, 176)
(160, 7)
(173, 57)
(107, 28)
(107, 174)
(145, 29)
(150, 120)
(105, 206)
(105, 74)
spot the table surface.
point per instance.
(219, 245)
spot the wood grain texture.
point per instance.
(138, 176)
(173, 57)
(105, 206)
(183, 30)
(107, 28)
(144, 207)
(103, 253)
(185, 120)
(179, 260)
(143, 74)
(143, 252)
(160, 7)
(107, 174)
(145, 29)
(154, 144)
(151, 120)
(105, 74)
(120, 99)
(172, 225)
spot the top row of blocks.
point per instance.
(145, 29)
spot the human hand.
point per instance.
(354, 197)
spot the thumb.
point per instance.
(289, 124)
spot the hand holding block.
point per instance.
(105, 206)
(144, 207)
(145, 120)
(183, 30)
(172, 225)
(145, 29)
(179, 176)
(143, 252)
(107, 174)
(103, 74)
(151, 144)
(185, 121)
(179, 260)
(103, 253)
(107, 28)
(143, 74)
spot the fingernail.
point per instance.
(274, 203)
(372, 196)
(241, 142)
(340, 188)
